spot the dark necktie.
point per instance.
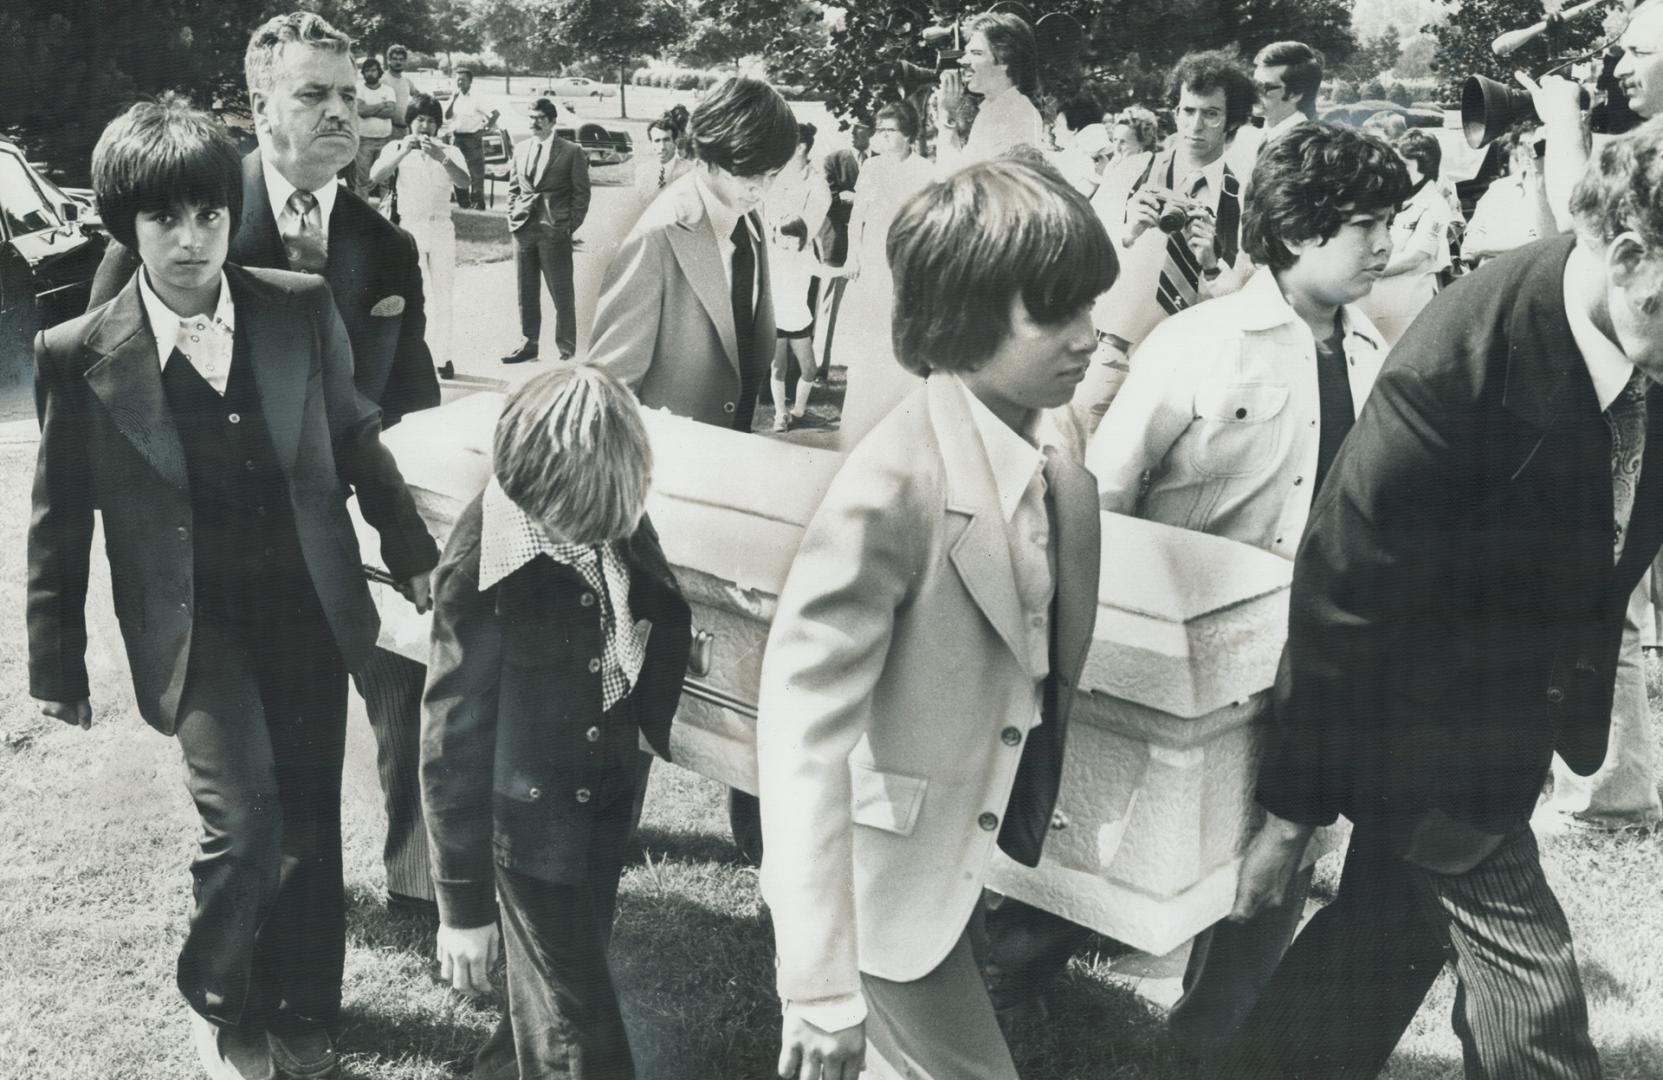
(536, 160)
(303, 238)
(1626, 417)
(744, 318)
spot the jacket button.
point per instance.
(593, 734)
(249, 465)
(1555, 695)
(988, 821)
(587, 599)
(1298, 480)
(728, 407)
(1010, 736)
(184, 533)
(235, 418)
(594, 665)
(582, 794)
(534, 794)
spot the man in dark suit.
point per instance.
(302, 83)
(842, 169)
(548, 198)
(1457, 606)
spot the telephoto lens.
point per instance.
(1173, 217)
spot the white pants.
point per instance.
(436, 244)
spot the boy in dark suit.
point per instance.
(559, 637)
(208, 412)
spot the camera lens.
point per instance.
(1172, 219)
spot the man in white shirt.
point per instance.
(1000, 63)
(1188, 189)
(377, 104)
(466, 121)
(397, 57)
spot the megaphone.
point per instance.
(1489, 108)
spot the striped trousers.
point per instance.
(392, 690)
(1355, 977)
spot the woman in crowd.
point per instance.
(876, 380)
(1420, 242)
(1136, 134)
(794, 211)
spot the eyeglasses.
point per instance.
(1268, 88)
(887, 131)
(1210, 118)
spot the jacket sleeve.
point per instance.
(412, 383)
(362, 460)
(830, 640)
(1153, 409)
(580, 189)
(1366, 577)
(60, 537)
(459, 738)
(631, 304)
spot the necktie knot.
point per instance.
(303, 236)
(302, 202)
(740, 234)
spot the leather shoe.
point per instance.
(526, 351)
(231, 1053)
(305, 1055)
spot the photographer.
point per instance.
(1558, 102)
(1177, 220)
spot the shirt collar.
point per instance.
(722, 219)
(278, 190)
(1607, 366)
(1013, 459)
(1263, 307)
(1213, 174)
(164, 321)
(508, 537)
(1288, 124)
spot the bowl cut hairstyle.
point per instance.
(805, 135)
(424, 105)
(571, 451)
(1308, 181)
(162, 154)
(963, 247)
(1423, 150)
(1302, 72)
(1622, 191)
(270, 37)
(904, 116)
(1210, 70)
(1011, 40)
(744, 127)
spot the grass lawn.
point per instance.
(96, 835)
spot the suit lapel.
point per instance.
(981, 553)
(348, 268)
(267, 333)
(128, 381)
(694, 244)
(257, 242)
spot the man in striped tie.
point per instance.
(1177, 217)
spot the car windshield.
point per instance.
(21, 202)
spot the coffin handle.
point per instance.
(700, 655)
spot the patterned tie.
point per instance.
(1181, 276)
(1626, 417)
(662, 165)
(303, 238)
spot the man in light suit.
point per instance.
(548, 198)
(296, 217)
(685, 318)
(918, 677)
(1515, 435)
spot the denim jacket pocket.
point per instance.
(1238, 426)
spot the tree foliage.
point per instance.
(1464, 37)
(376, 24)
(723, 32)
(67, 67)
(1130, 44)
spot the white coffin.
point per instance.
(1157, 786)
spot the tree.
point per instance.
(376, 24)
(67, 67)
(723, 32)
(454, 27)
(1464, 36)
(617, 32)
(510, 28)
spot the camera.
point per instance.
(1174, 215)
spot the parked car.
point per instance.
(600, 146)
(578, 86)
(57, 234)
(1357, 112)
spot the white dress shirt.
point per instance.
(722, 221)
(278, 190)
(1218, 425)
(205, 340)
(464, 115)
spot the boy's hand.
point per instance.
(466, 956)
(418, 590)
(1268, 866)
(807, 1053)
(78, 712)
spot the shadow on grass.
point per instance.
(683, 846)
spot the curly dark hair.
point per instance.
(1215, 69)
(1308, 181)
(1623, 190)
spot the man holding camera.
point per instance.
(1177, 218)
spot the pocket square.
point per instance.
(388, 307)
